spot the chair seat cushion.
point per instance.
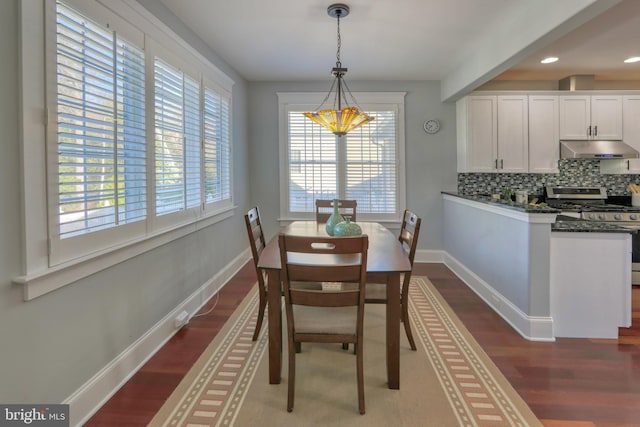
(375, 291)
(326, 320)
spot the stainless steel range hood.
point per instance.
(577, 82)
(596, 149)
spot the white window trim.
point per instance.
(38, 277)
(366, 101)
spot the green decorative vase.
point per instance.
(347, 228)
(334, 219)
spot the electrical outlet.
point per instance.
(181, 319)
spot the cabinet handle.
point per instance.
(501, 163)
(589, 131)
(628, 164)
(496, 163)
(595, 130)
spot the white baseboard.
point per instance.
(429, 256)
(85, 401)
(533, 328)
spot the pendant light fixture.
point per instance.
(341, 119)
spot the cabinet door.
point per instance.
(513, 133)
(631, 128)
(575, 113)
(606, 117)
(481, 133)
(544, 146)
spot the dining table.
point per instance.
(387, 260)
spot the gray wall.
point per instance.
(52, 345)
(430, 159)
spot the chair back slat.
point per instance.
(324, 298)
(409, 233)
(310, 273)
(324, 209)
(256, 239)
(324, 245)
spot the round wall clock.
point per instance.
(431, 126)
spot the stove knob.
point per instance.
(601, 217)
(591, 216)
(633, 217)
(618, 217)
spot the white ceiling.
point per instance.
(288, 40)
(598, 47)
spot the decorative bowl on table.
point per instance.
(347, 228)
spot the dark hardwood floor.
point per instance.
(567, 383)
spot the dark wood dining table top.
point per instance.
(385, 252)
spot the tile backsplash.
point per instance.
(574, 173)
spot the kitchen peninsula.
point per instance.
(546, 278)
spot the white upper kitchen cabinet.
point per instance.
(631, 128)
(492, 133)
(630, 135)
(513, 133)
(591, 117)
(477, 132)
(544, 131)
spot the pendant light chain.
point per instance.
(337, 71)
(338, 63)
(339, 120)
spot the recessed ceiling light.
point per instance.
(549, 60)
(632, 59)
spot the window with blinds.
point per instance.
(363, 165)
(217, 147)
(101, 154)
(370, 170)
(192, 143)
(312, 163)
(138, 140)
(177, 139)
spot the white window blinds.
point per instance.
(100, 126)
(217, 147)
(313, 163)
(371, 164)
(177, 139)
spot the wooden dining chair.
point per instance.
(324, 209)
(377, 293)
(257, 243)
(323, 282)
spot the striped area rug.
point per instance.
(449, 381)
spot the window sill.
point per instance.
(42, 282)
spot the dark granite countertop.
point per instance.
(563, 223)
(521, 207)
(570, 224)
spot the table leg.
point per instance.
(275, 326)
(393, 330)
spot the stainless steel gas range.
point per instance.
(590, 204)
